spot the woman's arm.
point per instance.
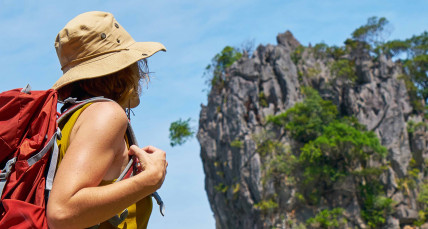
(96, 143)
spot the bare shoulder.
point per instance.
(107, 115)
(106, 109)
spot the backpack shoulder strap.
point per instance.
(129, 131)
(77, 105)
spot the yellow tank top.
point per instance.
(138, 213)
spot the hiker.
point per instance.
(99, 58)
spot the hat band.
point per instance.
(80, 60)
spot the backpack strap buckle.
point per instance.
(7, 169)
(5, 173)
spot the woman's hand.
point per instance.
(152, 162)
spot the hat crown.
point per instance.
(88, 35)
(93, 45)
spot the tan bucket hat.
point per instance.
(94, 44)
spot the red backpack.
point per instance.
(28, 156)
(28, 133)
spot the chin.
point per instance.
(134, 102)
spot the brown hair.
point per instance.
(120, 86)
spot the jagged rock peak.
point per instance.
(287, 39)
(233, 134)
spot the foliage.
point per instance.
(337, 153)
(235, 188)
(282, 163)
(328, 219)
(236, 144)
(269, 146)
(410, 180)
(414, 54)
(278, 158)
(296, 56)
(305, 120)
(412, 91)
(344, 69)
(180, 132)
(334, 148)
(313, 71)
(422, 218)
(262, 99)
(376, 207)
(393, 48)
(221, 188)
(265, 205)
(373, 32)
(423, 194)
(216, 71)
(423, 202)
(416, 66)
(322, 50)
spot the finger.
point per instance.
(135, 150)
(150, 149)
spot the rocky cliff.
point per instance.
(270, 82)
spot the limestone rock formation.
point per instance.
(268, 83)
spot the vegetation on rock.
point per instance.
(335, 149)
(413, 53)
(216, 71)
(328, 219)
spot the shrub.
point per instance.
(296, 56)
(305, 120)
(262, 99)
(180, 132)
(216, 71)
(266, 205)
(344, 69)
(236, 144)
(334, 148)
(221, 188)
(423, 202)
(328, 219)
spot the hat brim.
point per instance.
(109, 63)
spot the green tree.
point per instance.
(374, 32)
(179, 132)
(216, 71)
(305, 120)
(416, 66)
(413, 52)
(334, 148)
(340, 151)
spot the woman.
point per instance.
(99, 58)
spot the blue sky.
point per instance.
(193, 32)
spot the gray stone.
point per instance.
(234, 176)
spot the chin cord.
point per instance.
(129, 111)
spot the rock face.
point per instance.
(268, 83)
